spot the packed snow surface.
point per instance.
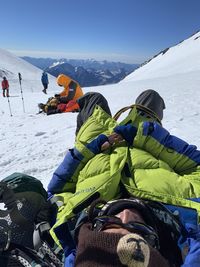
(35, 144)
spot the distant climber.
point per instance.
(45, 82)
(72, 89)
(5, 87)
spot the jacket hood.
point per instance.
(152, 100)
(87, 104)
(89, 100)
(63, 80)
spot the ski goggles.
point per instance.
(147, 232)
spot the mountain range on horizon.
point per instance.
(176, 60)
(88, 72)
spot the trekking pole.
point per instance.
(20, 82)
(9, 106)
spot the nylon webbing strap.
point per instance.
(122, 110)
(40, 229)
(58, 200)
(146, 110)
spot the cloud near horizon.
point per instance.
(135, 59)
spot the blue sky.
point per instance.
(129, 31)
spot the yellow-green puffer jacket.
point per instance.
(158, 166)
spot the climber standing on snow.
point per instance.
(5, 87)
(45, 82)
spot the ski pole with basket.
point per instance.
(20, 83)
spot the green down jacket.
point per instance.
(157, 167)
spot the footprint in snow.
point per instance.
(40, 133)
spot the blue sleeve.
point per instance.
(171, 142)
(64, 172)
(177, 153)
(67, 242)
(190, 238)
(70, 259)
(73, 162)
(192, 259)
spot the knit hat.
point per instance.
(101, 249)
(153, 101)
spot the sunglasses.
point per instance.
(147, 232)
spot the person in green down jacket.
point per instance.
(136, 157)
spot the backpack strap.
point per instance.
(40, 229)
(146, 110)
(122, 110)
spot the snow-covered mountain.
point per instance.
(11, 65)
(179, 59)
(87, 72)
(88, 77)
(36, 144)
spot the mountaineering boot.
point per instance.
(44, 91)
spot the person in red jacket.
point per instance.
(5, 87)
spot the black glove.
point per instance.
(95, 145)
(128, 132)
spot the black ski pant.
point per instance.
(5, 92)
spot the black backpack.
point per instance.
(26, 204)
(25, 224)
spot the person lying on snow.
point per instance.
(149, 99)
(64, 101)
(136, 158)
(58, 104)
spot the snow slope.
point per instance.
(36, 144)
(179, 59)
(11, 65)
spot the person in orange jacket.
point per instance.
(72, 89)
(5, 87)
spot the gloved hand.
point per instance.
(128, 132)
(95, 145)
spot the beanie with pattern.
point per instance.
(101, 249)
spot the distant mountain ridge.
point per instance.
(87, 72)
